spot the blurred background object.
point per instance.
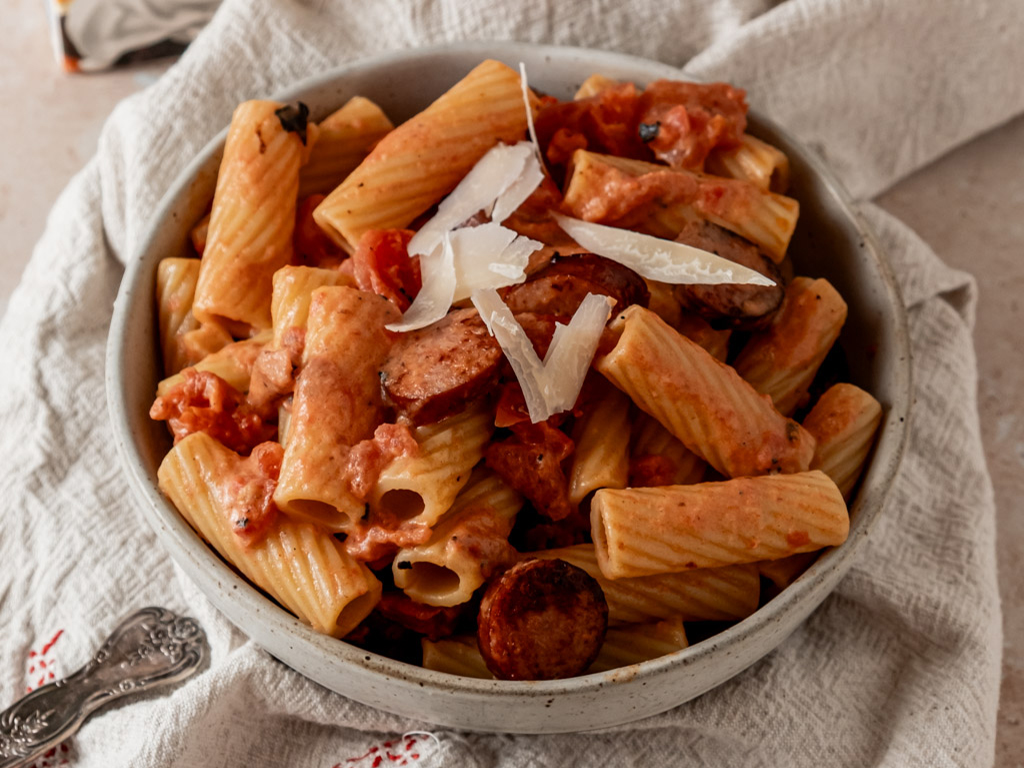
(90, 35)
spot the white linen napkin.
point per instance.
(900, 666)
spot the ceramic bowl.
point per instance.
(875, 341)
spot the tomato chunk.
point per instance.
(204, 402)
(382, 265)
(531, 462)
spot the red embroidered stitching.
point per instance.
(47, 666)
(405, 744)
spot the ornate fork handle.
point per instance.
(150, 648)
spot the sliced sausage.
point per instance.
(541, 620)
(560, 288)
(746, 307)
(433, 372)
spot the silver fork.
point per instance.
(150, 648)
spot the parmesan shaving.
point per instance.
(489, 256)
(494, 173)
(551, 386)
(455, 262)
(529, 114)
(520, 189)
(435, 296)
(657, 259)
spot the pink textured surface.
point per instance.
(967, 206)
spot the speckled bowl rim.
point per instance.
(218, 581)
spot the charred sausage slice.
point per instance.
(746, 307)
(542, 620)
(433, 372)
(560, 288)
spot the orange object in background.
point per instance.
(92, 35)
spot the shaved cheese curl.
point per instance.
(551, 386)
(657, 259)
(495, 172)
(435, 297)
(529, 114)
(489, 256)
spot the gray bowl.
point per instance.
(831, 241)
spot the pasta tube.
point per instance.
(233, 363)
(183, 340)
(302, 567)
(701, 401)
(755, 161)
(421, 487)
(337, 403)
(465, 547)
(616, 190)
(707, 594)
(844, 422)
(253, 216)
(644, 531)
(601, 458)
(345, 139)
(781, 362)
(292, 294)
(636, 643)
(423, 159)
(622, 647)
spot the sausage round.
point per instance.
(542, 620)
(745, 307)
(434, 372)
(561, 287)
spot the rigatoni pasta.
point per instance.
(843, 422)
(781, 362)
(705, 594)
(301, 566)
(702, 401)
(465, 547)
(336, 405)
(422, 160)
(250, 234)
(345, 139)
(645, 531)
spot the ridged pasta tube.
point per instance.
(844, 422)
(253, 216)
(601, 458)
(635, 643)
(183, 340)
(708, 594)
(337, 403)
(781, 361)
(233, 363)
(703, 402)
(424, 158)
(645, 531)
(464, 548)
(345, 138)
(754, 161)
(301, 566)
(422, 487)
(292, 294)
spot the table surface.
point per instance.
(969, 206)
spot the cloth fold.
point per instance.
(900, 666)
